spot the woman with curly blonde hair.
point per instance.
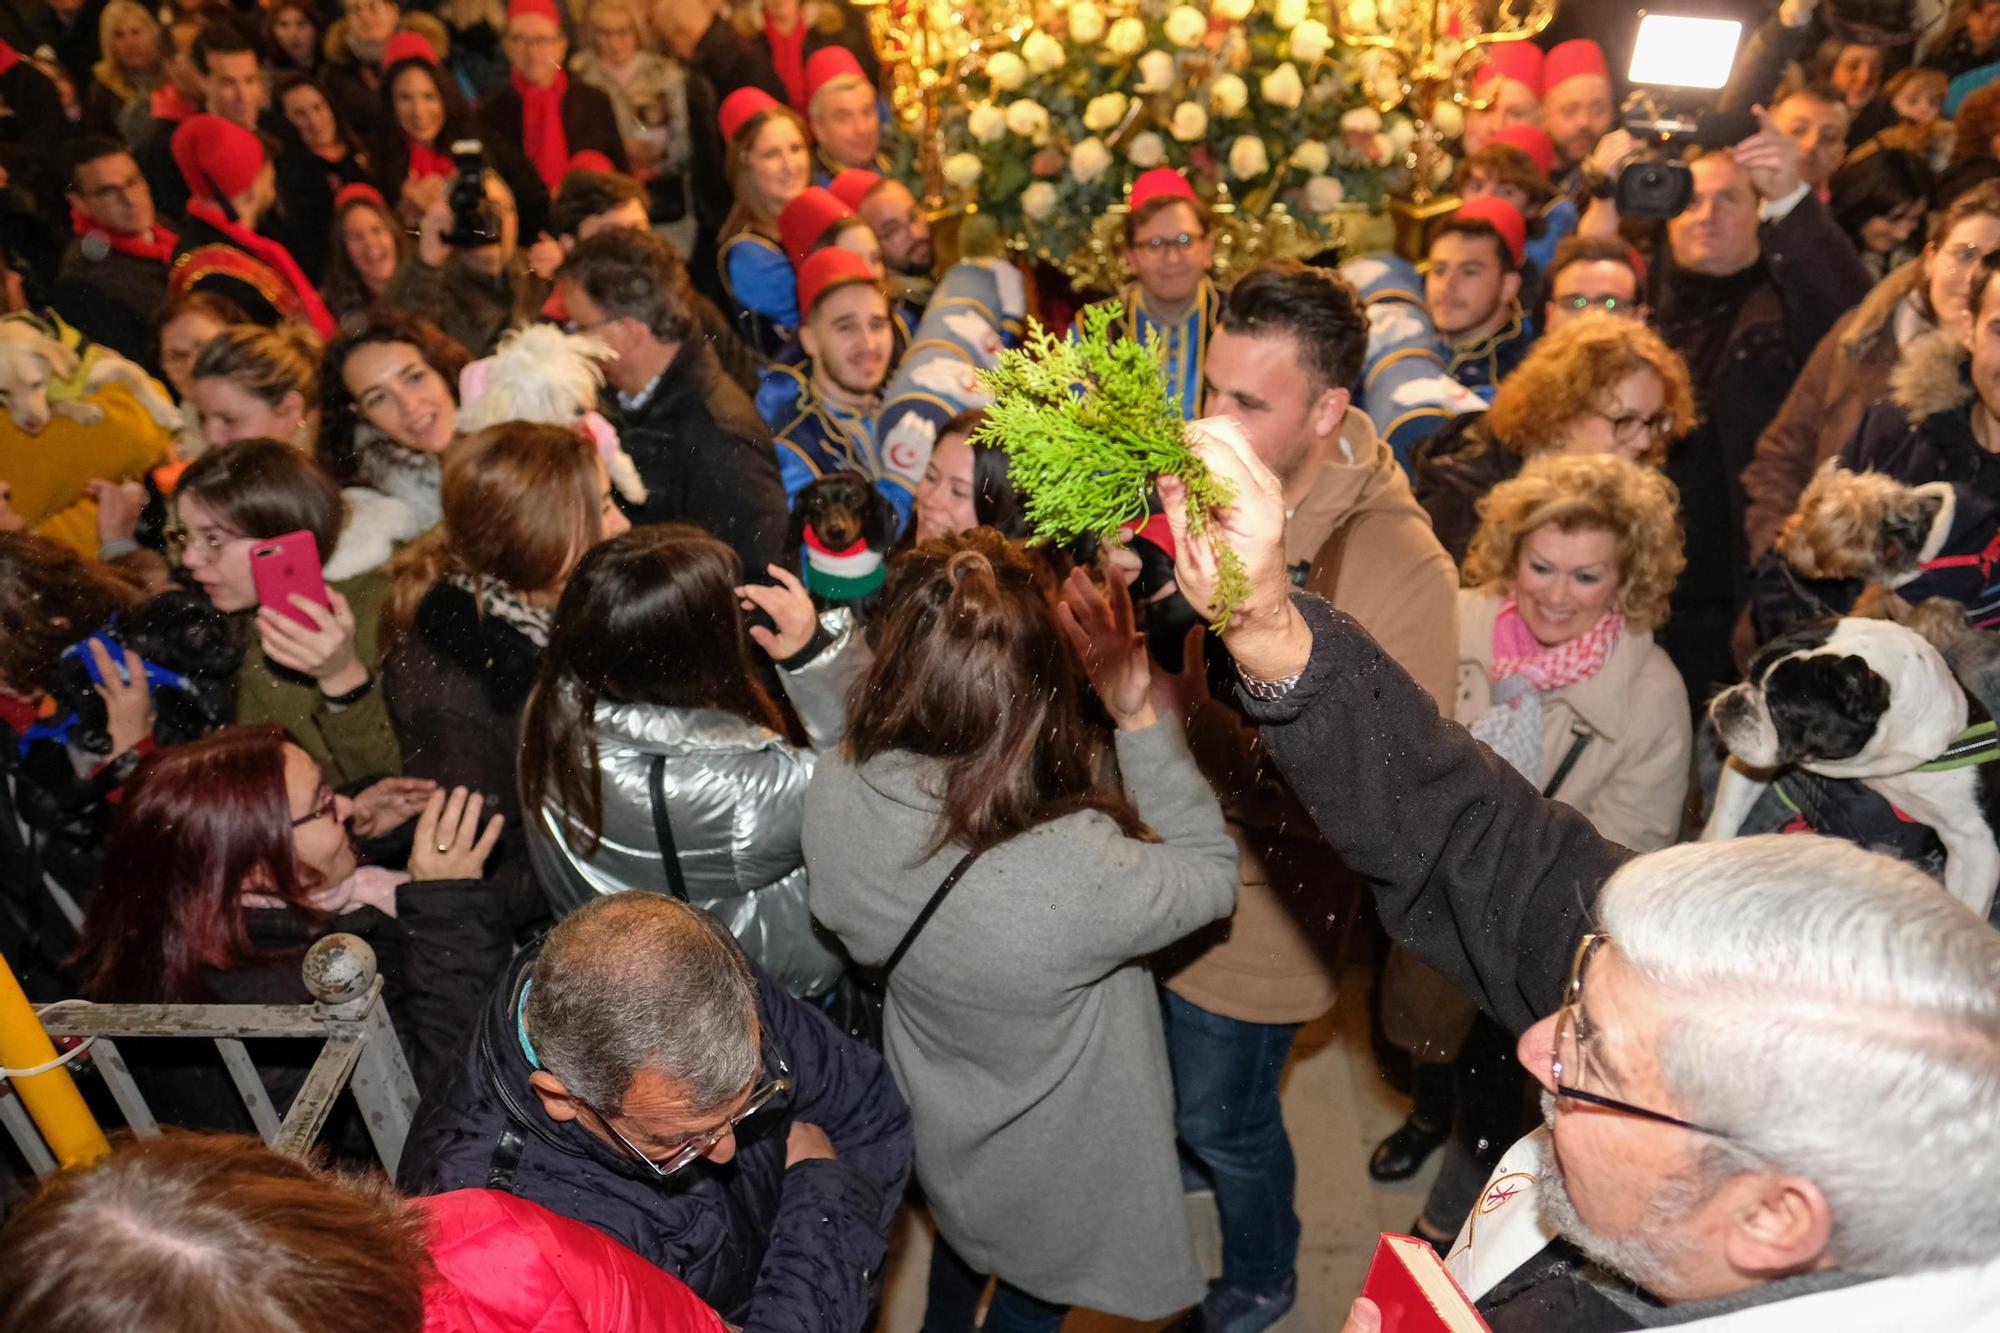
(1600, 384)
(1567, 578)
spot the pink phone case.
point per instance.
(286, 565)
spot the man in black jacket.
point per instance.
(1686, 1011)
(705, 455)
(113, 278)
(551, 116)
(635, 1072)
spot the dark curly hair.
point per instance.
(1314, 305)
(629, 273)
(340, 416)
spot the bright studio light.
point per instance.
(1676, 52)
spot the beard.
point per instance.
(1660, 1249)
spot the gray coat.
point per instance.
(735, 799)
(1023, 1024)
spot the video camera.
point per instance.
(1675, 61)
(473, 222)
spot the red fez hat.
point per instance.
(853, 185)
(805, 220)
(1503, 217)
(739, 107)
(546, 8)
(1161, 183)
(218, 158)
(1530, 139)
(357, 192)
(830, 268)
(408, 45)
(591, 160)
(1519, 61)
(827, 64)
(1577, 56)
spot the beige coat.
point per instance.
(1370, 552)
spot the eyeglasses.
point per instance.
(1962, 257)
(324, 804)
(1628, 426)
(698, 1147)
(1569, 1019)
(211, 540)
(97, 193)
(1611, 305)
(1158, 245)
(527, 42)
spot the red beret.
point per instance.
(1503, 217)
(408, 45)
(830, 268)
(218, 158)
(1519, 61)
(827, 64)
(1577, 56)
(1530, 139)
(546, 8)
(358, 192)
(806, 220)
(1161, 182)
(739, 107)
(853, 185)
(591, 160)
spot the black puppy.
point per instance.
(180, 632)
(842, 528)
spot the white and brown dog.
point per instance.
(41, 378)
(1872, 701)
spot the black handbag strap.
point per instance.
(1582, 736)
(663, 830)
(930, 909)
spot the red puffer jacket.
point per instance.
(506, 1265)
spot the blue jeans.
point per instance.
(1226, 1077)
(952, 1304)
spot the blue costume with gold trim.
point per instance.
(763, 291)
(1185, 342)
(1481, 366)
(816, 438)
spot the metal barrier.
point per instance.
(361, 1053)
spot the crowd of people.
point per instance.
(760, 833)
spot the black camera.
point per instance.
(1659, 184)
(473, 221)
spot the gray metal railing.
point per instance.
(360, 1053)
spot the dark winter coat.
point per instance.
(589, 122)
(770, 1247)
(1454, 470)
(1923, 432)
(114, 299)
(706, 457)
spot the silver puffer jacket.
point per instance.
(735, 796)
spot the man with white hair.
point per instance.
(1771, 1066)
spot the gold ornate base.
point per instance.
(1413, 220)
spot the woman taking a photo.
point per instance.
(962, 840)
(652, 755)
(768, 165)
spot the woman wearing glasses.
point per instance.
(1597, 385)
(230, 856)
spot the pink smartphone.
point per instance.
(286, 565)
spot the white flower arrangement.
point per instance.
(1086, 23)
(1228, 96)
(1007, 71)
(1039, 200)
(1283, 88)
(1089, 160)
(1189, 123)
(1027, 118)
(1248, 159)
(1104, 111)
(1185, 26)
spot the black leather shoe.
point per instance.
(1404, 1153)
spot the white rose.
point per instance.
(1089, 159)
(1086, 23)
(1043, 53)
(1007, 71)
(1146, 150)
(1189, 122)
(1127, 38)
(1288, 14)
(985, 123)
(961, 170)
(1362, 15)
(1232, 11)
(1103, 113)
(1227, 96)
(1282, 87)
(1039, 200)
(1448, 119)
(1185, 26)
(1247, 158)
(1156, 71)
(1311, 157)
(1027, 118)
(1361, 120)
(1323, 194)
(1402, 136)
(1310, 41)
(1382, 151)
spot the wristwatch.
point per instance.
(1268, 691)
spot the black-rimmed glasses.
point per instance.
(323, 805)
(1566, 1023)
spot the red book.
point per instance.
(1415, 1291)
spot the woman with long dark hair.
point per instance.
(963, 839)
(365, 247)
(653, 756)
(389, 406)
(1879, 200)
(425, 115)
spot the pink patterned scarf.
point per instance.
(1522, 670)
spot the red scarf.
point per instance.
(427, 161)
(9, 57)
(274, 256)
(167, 104)
(788, 56)
(542, 127)
(159, 249)
(1516, 651)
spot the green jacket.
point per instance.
(349, 743)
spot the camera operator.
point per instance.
(1756, 273)
(473, 292)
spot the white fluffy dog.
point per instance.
(40, 377)
(540, 373)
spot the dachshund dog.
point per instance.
(842, 528)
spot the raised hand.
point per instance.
(1769, 158)
(790, 607)
(128, 699)
(449, 843)
(324, 650)
(388, 804)
(1100, 622)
